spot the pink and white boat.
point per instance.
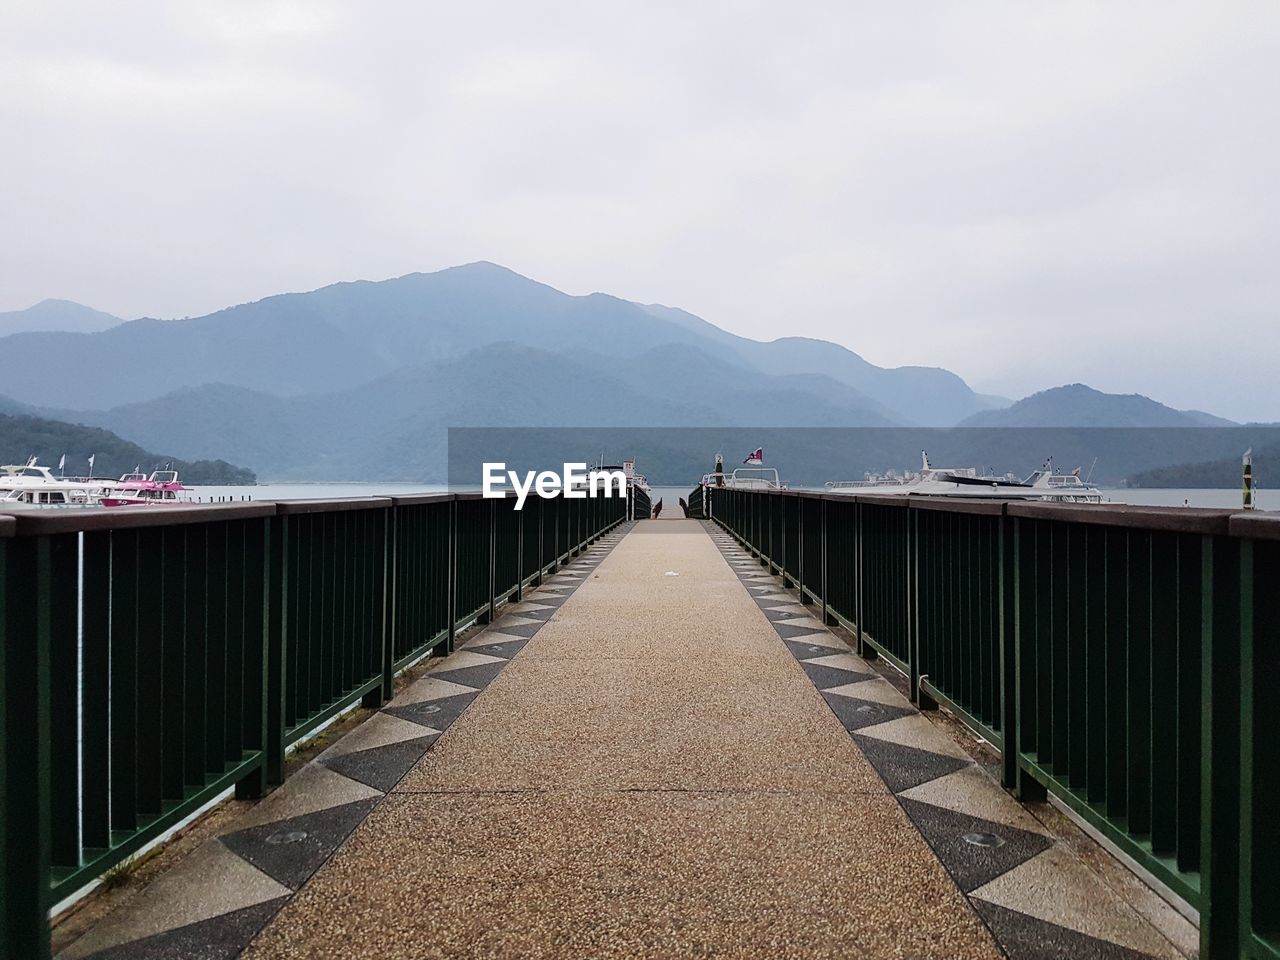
(160, 489)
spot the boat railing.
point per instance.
(869, 483)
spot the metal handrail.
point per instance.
(1122, 658)
(153, 658)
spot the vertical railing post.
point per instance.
(25, 762)
(782, 555)
(1251, 870)
(65, 692)
(491, 610)
(386, 611)
(1220, 748)
(858, 645)
(755, 504)
(254, 784)
(912, 618)
(822, 532)
(390, 597)
(542, 532)
(519, 594)
(5, 880)
(1025, 787)
(1007, 610)
(452, 602)
(277, 652)
(800, 538)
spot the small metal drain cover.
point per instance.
(983, 839)
(289, 836)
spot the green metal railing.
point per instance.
(531, 532)
(332, 581)
(473, 553)
(130, 704)
(641, 505)
(1259, 723)
(421, 563)
(550, 537)
(1124, 659)
(153, 658)
(956, 564)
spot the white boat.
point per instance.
(760, 478)
(640, 503)
(1043, 484)
(162, 488)
(743, 478)
(753, 478)
(35, 485)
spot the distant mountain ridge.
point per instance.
(394, 427)
(1077, 405)
(56, 315)
(348, 334)
(363, 379)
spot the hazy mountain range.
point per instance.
(348, 334)
(363, 379)
(1076, 405)
(56, 316)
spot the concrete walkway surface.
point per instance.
(659, 753)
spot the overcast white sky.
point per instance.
(1029, 193)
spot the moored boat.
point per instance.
(161, 488)
(1043, 484)
(34, 485)
(640, 505)
(638, 491)
(753, 477)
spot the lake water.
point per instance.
(1228, 499)
(312, 491)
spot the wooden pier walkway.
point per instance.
(658, 753)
